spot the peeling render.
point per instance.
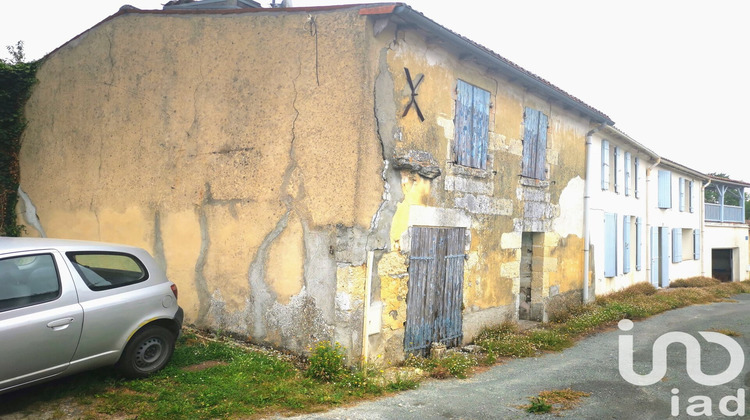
(262, 298)
(388, 134)
(158, 253)
(29, 213)
(204, 296)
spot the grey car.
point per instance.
(68, 306)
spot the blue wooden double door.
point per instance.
(435, 289)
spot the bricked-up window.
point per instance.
(534, 144)
(472, 125)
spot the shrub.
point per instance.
(327, 362)
(458, 364)
(538, 405)
(695, 282)
(453, 364)
(636, 290)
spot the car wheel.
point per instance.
(147, 352)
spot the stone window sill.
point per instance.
(470, 172)
(532, 182)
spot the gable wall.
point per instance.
(233, 147)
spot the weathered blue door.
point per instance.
(435, 289)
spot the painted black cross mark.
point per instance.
(413, 100)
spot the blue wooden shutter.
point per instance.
(665, 189)
(534, 144)
(637, 177)
(627, 173)
(472, 125)
(480, 128)
(540, 157)
(682, 194)
(638, 243)
(690, 197)
(655, 256)
(696, 244)
(464, 103)
(625, 244)
(605, 165)
(616, 164)
(664, 257)
(610, 244)
(530, 133)
(676, 245)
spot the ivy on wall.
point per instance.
(16, 80)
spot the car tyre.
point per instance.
(147, 352)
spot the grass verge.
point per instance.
(206, 379)
(575, 321)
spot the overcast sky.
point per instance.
(673, 74)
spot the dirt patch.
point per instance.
(204, 365)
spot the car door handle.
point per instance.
(60, 324)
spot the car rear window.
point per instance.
(28, 280)
(104, 270)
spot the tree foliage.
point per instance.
(16, 79)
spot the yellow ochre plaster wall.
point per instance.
(234, 147)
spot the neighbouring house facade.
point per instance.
(619, 207)
(675, 222)
(355, 173)
(725, 247)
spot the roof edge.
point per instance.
(674, 165)
(619, 133)
(412, 16)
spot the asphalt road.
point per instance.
(592, 366)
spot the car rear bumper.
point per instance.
(179, 316)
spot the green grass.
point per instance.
(577, 320)
(246, 384)
(453, 364)
(554, 401)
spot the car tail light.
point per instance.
(174, 290)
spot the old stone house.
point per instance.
(353, 173)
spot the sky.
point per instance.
(673, 74)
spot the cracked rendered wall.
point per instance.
(240, 149)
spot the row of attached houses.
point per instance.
(353, 173)
(650, 220)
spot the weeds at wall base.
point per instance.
(576, 321)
